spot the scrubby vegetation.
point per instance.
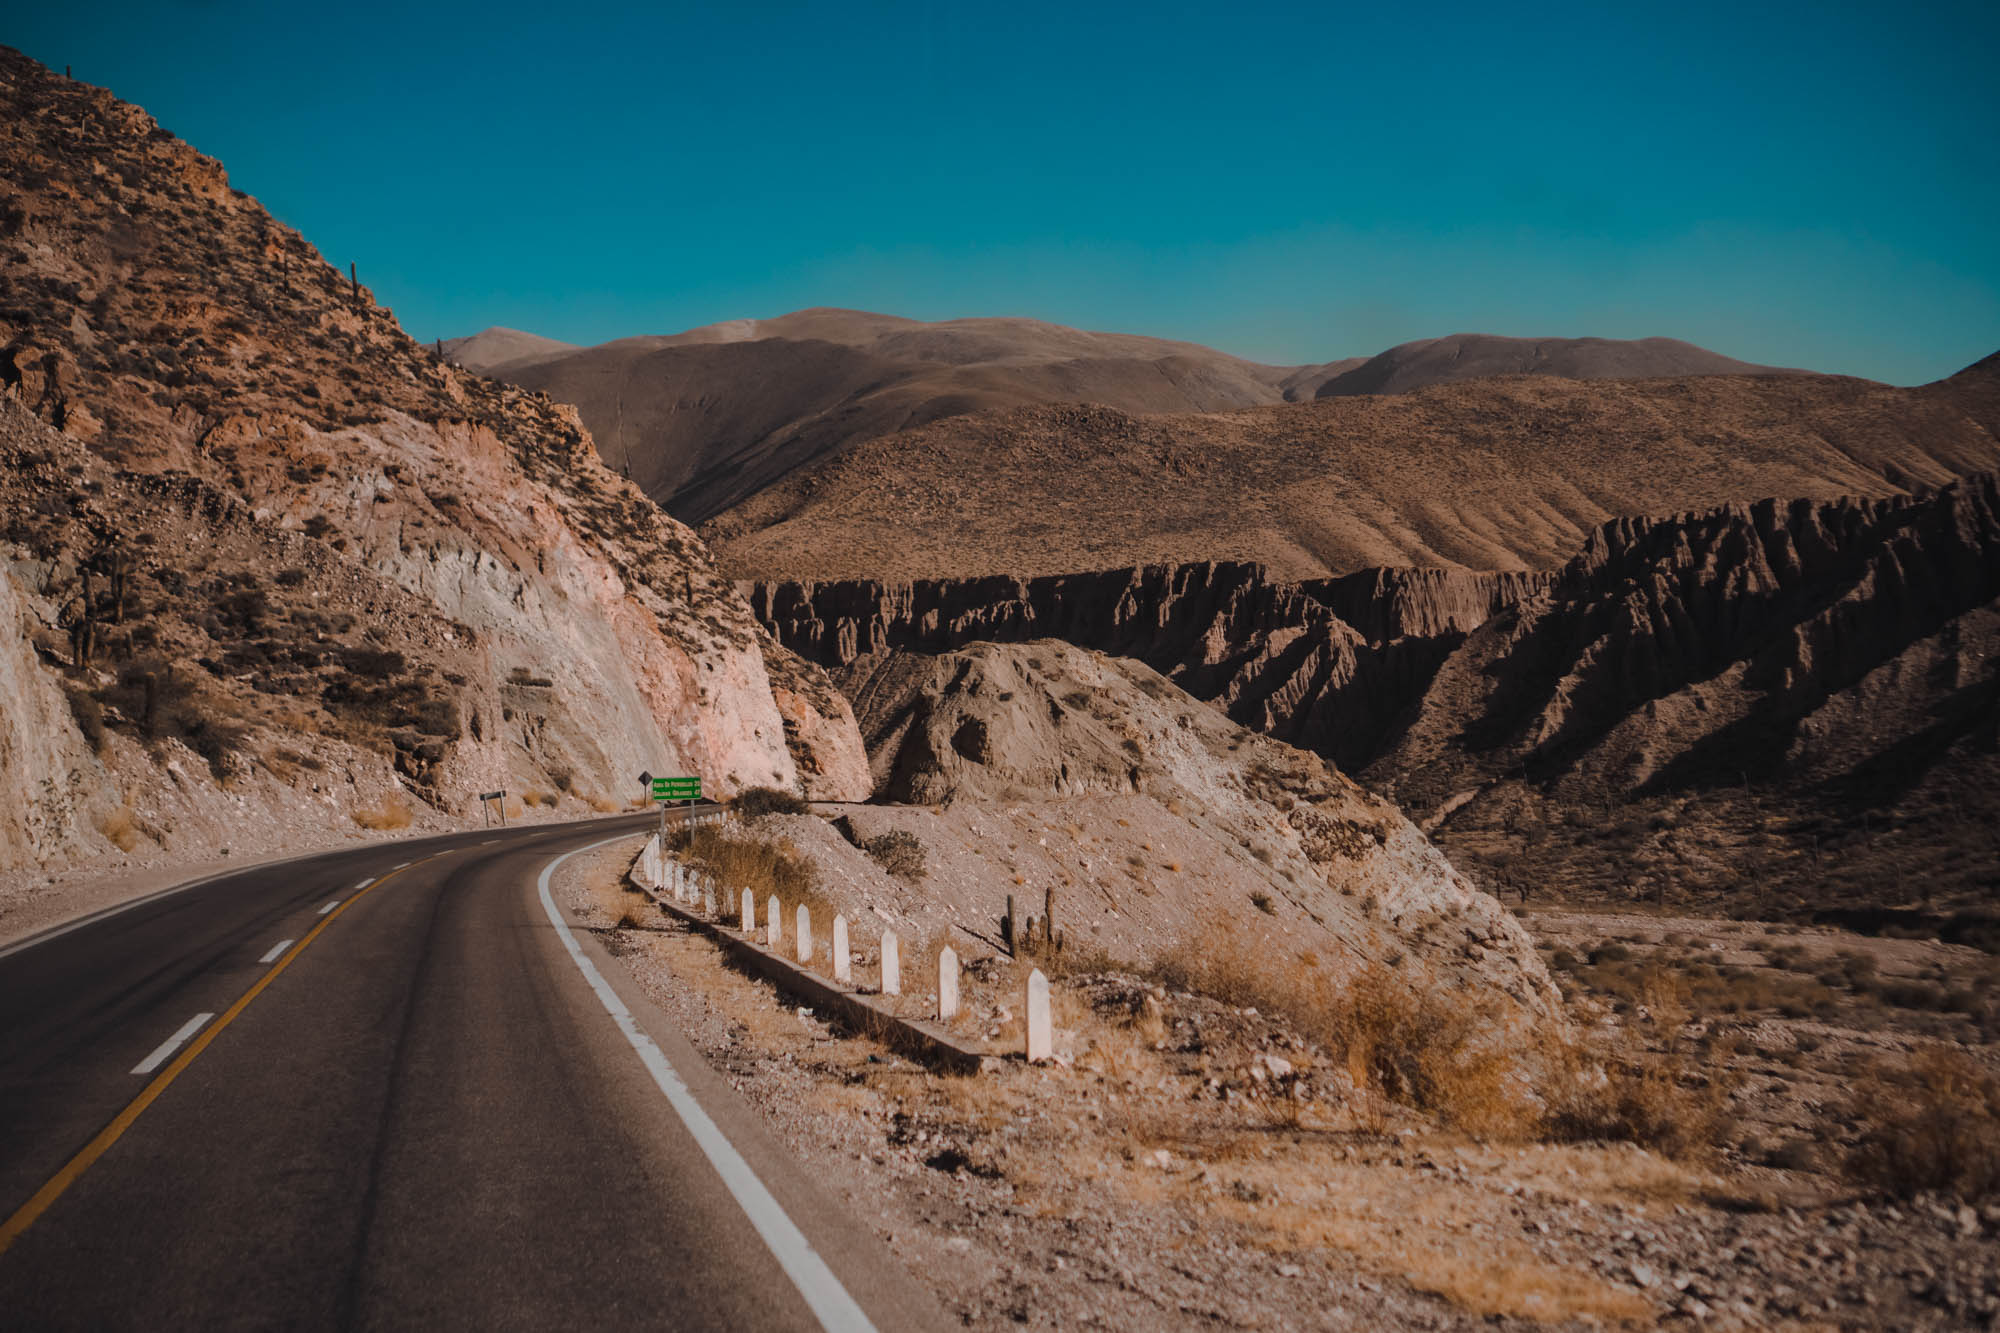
(899, 852)
(742, 860)
(1935, 1128)
(770, 801)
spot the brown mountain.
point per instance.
(269, 561)
(1785, 704)
(490, 349)
(1488, 475)
(1466, 356)
(703, 419)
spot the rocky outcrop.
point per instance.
(428, 568)
(1337, 868)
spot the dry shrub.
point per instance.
(392, 812)
(769, 801)
(1937, 1129)
(601, 804)
(768, 866)
(121, 827)
(1623, 1090)
(534, 797)
(899, 852)
(1442, 1054)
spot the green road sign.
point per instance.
(677, 789)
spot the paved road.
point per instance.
(424, 1111)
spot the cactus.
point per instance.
(1008, 934)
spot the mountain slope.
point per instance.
(1489, 475)
(269, 546)
(1464, 356)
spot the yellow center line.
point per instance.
(24, 1216)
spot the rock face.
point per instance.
(1805, 666)
(432, 568)
(1137, 767)
(53, 781)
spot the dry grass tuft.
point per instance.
(121, 827)
(534, 797)
(1442, 1054)
(392, 812)
(1938, 1128)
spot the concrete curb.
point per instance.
(920, 1041)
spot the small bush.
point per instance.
(1262, 902)
(899, 852)
(770, 801)
(1938, 1130)
(392, 812)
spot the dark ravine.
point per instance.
(1841, 659)
(1306, 662)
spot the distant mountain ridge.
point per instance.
(1465, 356)
(705, 418)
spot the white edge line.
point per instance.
(836, 1310)
(171, 1044)
(276, 949)
(329, 907)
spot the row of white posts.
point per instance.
(691, 887)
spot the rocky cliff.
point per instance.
(297, 503)
(1705, 704)
(1320, 663)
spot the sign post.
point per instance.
(674, 789)
(486, 813)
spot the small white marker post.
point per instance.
(947, 984)
(749, 912)
(843, 969)
(708, 899)
(774, 924)
(892, 965)
(805, 935)
(1041, 1044)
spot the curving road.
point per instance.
(418, 1100)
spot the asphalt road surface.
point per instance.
(391, 1088)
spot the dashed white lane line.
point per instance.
(366, 882)
(329, 907)
(399, 865)
(489, 842)
(836, 1309)
(171, 1044)
(276, 949)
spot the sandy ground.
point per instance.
(1166, 1176)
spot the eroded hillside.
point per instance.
(1789, 702)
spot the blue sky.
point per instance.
(1811, 185)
